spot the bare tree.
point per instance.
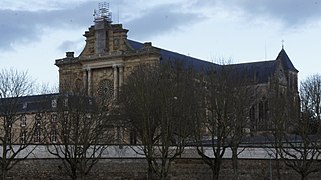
(14, 138)
(227, 105)
(300, 150)
(80, 126)
(238, 122)
(160, 103)
(281, 104)
(46, 88)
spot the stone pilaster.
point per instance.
(115, 67)
(89, 80)
(121, 74)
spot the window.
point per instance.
(53, 135)
(23, 135)
(38, 119)
(66, 117)
(106, 89)
(25, 105)
(66, 102)
(133, 137)
(78, 85)
(53, 118)
(23, 121)
(54, 103)
(264, 122)
(37, 134)
(252, 118)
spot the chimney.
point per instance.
(70, 54)
(147, 44)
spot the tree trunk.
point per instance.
(215, 173)
(216, 169)
(150, 172)
(4, 161)
(4, 173)
(235, 163)
(277, 161)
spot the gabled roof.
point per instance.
(286, 62)
(166, 56)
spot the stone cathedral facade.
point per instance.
(109, 57)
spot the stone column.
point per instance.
(115, 81)
(89, 81)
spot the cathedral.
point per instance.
(109, 57)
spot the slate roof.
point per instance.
(34, 103)
(166, 56)
(286, 62)
(259, 71)
(40, 103)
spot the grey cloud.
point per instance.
(25, 26)
(69, 45)
(158, 20)
(289, 12)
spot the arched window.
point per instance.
(252, 118)
(264, 121)
(78, 85)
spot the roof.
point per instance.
(24, 104)
(286, 62)
(39, 103)
(259, 71)
(167, 56)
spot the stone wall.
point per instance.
(135, 169)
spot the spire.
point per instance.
(282, 44)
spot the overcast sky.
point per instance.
(36, 32)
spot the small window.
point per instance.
(38, 119)
(23, 121)
(66, 102)
(23, 135)
(133, 137)
(24, 105)
(37, 136)
(53, 135)
(54, 103)
(53, 118)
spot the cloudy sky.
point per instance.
(36, 32)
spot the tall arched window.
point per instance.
(264, 121)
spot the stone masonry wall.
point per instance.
(135, 169)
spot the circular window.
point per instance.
(106, 89)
